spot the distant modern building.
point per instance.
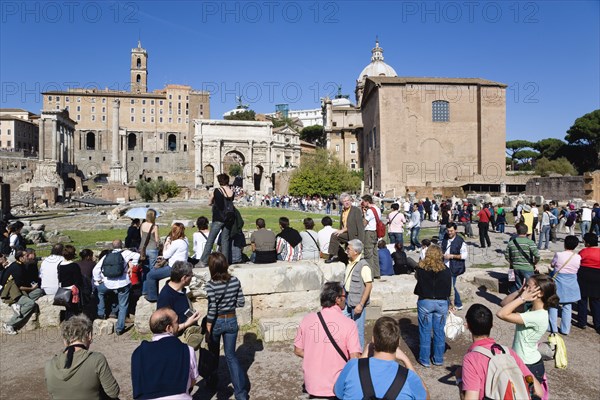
(18, 131)
(308, 117)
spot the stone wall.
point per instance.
(560, 188)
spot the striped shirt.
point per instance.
(234, 297)
(287, 252)
(516, 258)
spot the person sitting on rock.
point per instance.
(49, 269)
(164, 367)
(23, 294)
(173, 295)
(263, 242)
(289, 242)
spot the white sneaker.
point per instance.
(459, 308)
(8, 330)
(16, 308)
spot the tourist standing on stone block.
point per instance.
(484, 226)
(565, 265)
(18, 292)
(455, 253)
(324, 236)
(434, 286)
(49, 269)
(149, 245)
(370, 215)
(111, 274)
(263, 242)
(310, 244)
(322, 360)
(358, 283)
(223, 217)
(351, 227)
(177, 251)
(163, 367)
(396, 221)
(522, 255)
(224, 294)
(289, 242)
(173, 295)
(77, 372)
(379, 372)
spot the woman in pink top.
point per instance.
(396, 221)
(565, 266)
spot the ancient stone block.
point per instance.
(279, 277)
(104, 327)
(283, 305)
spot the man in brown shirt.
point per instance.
(351, 227)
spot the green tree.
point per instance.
(314, 134)
(549, 148)
(248, 115)
(525, 156)
(235, 170)
(321, 174)
(513, 147)
(545, 167)
(584, 140)
(149, 190)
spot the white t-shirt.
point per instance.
(324, 236)
(535, 212)
(199, 241)
(397, 220)
(177, 251)
(370, 218)
(406, 206)
(586, 214)
(49, 273)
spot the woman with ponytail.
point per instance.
(527, 308)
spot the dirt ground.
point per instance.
(275, 372)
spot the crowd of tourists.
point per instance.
(337, 363)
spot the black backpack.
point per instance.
(113, 265)
(367, 384)
(229, 209)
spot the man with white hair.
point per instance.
(358, 283)
(112, 274)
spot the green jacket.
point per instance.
(516, 258)
(89, 373)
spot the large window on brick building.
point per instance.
(90, 141)
(440, 111)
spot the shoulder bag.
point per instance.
(62, 298)
(333, 342)
(553, 274)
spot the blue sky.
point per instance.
(547, 52)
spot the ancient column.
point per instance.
(54, 140)
(42, 139)
(115, 133)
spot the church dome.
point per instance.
(377, 67)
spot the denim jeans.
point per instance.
(151, 256)
(457, 300)
(360, 322)
(585, 227)
(521, 278)
(228, 328)
(443, 230)
(396, 237)
(432, 316)
(414, 238)
(565, 318)
(544, 236)
(155, 275)
(500, 227)
(215, 228)
(123, 295)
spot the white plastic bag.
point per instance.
(454, 326)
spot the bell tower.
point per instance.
(139, 69)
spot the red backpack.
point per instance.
(379, 226)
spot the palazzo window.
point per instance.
(440, 111)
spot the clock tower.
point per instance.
(139, 69)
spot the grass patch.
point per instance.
(485, 266)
